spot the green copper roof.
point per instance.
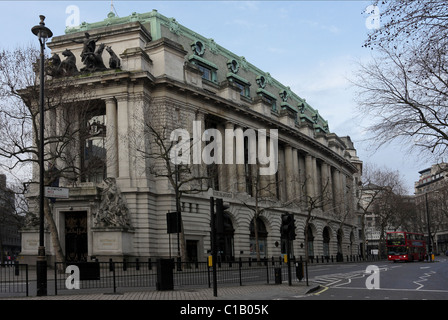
(153, 21)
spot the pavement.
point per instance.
(245, 292)
(235, 302)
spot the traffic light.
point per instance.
(220, 208)
(288, 228)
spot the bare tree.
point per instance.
(316, 203)
(381, 191)
(168, 156)
(406, 98)
(403, 92)
(66, 107)
(403, 22)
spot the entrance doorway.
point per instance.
(76, 236)
(192, 250)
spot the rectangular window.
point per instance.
(208, 68)
(273, 104)
(244, 89)
(207, 73)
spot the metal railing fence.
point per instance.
(112, 275)
(14, 278)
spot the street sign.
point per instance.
(56, 192)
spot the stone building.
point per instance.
(160, 77)
(431, 198)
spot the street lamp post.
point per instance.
(42, 33)
(429, 230)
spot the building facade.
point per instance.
(246, 138)
(431, 197)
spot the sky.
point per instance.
(313, 47)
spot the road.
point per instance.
(393, 281)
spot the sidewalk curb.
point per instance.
(313, 289)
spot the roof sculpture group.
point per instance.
(91, 57)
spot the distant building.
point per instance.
(370, 201)
(431, 194)
(10, 241)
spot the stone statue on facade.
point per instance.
(91, 57)
(57, 67)
(88, 46)
(31, 221)
(114, 61)
(94, 61)
(113, 211)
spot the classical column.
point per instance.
(111, 138)
(295, 176)
(262, 180)
(239, 159)
(326, 186)
(310, 176)
(336, 190)
(229, 157)
(315, 178)
(122, 135)
(273, 178)
(220, 159)
(344, 195)
(199, 167)
(281, 174)
(302, 176)
(289, 169)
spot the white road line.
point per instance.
(423, 279)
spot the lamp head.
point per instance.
(41, 31)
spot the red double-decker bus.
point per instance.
(405, 246)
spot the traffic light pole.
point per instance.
(214, 246)
(288, 253)
(288, 233)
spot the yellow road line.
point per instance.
(323, 290)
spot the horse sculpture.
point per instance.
(94, 61)
(68, 66)
(114, 61)
(57, 67)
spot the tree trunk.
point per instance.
(53, 232)
(257, 245)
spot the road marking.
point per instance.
(391, 289)
(422, 279)
(321, 291)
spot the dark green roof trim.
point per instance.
(267, 93)
(286, 105)
(233, 76)
(203, 61)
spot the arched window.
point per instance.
(340, 236)
(225, 244)
(326, 237)
(310, 243)
(262, 238)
